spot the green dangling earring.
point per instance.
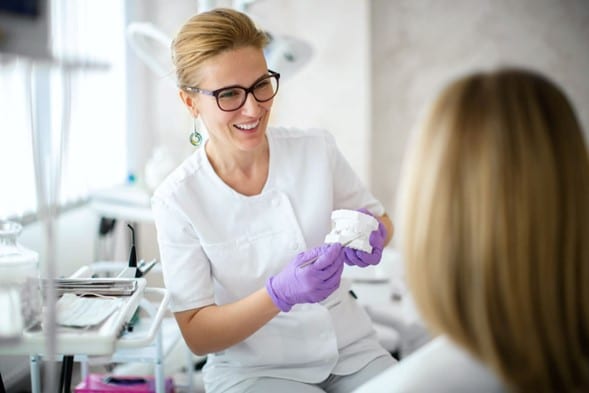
(195, 136)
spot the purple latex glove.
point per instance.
(362, 258)
(311, 283)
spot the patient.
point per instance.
(494, 230)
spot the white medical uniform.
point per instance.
(218, 246)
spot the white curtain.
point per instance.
(66, 115)
(17, 179)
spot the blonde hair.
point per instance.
(209, 34)
(494, 225)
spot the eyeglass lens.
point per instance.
(234, 97)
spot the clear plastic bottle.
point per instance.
(20, 291)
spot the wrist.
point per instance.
(276, 299)
(383, 231)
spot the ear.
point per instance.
(189, 101)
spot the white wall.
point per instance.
(333, 90)
(418, 46)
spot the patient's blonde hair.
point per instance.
(494, 224)
(209, 34)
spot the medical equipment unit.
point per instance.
(20, 291)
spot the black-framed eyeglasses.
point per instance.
(231, 98)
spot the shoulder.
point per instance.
(439, 366)
(181, 178)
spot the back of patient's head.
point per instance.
(495, 227)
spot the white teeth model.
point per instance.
(350, 224)
(247, 126)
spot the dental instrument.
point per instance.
(312, 260)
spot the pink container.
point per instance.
(97, 383)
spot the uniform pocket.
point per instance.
(241, 266)
(352, 321)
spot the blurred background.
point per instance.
(91, 121)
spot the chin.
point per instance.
(253, 142)
(252, 138)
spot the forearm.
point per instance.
(215, 328)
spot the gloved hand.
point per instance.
(311, 283)
(361, 258)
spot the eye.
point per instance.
(230, 93)
(262, 84)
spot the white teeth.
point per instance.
(247, 126)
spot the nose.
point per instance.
(250, 106)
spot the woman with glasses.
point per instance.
(240, 219)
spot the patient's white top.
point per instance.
(439, 366)
(218, 246)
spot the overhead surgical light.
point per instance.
(286, 55)
(152, 46)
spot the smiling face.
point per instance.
(242, 130)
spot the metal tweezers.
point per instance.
(312, 260)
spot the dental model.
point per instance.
(352, 228)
